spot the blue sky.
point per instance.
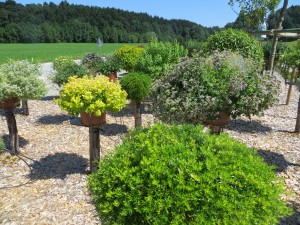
(204, 12)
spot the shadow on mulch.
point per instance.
(112, 129)
(58, 166)
(17, 110)
(278, 160)
(50, 119)
(49, 98)
(22, 141)
(128, 110)
(252, 126)
(294, 218)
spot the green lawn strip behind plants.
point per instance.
(47, 52)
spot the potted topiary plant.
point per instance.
(109, 67)
(137, 86)
(199, 90)
(18, 80)
(91, 97)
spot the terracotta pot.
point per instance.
(112, 77)
(217, 125)
(88, 119)
(10, 103)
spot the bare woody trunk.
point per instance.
(94, 148)
(297, 128)
(13, 130)
(25, 108)
(275, 37)
(137, 114)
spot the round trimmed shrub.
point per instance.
(137, 86)
(236, 41)
(182, 175)
(128, 56)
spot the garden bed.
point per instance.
(48, 186)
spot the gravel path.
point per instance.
(48, 186)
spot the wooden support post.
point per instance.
(94, 148)
(297, 127)
(25, 108)
(137, 114)
(12, 129)
(288, 98)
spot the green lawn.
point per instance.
(38, 53)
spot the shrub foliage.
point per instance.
(236, 41)
(182, 175)
(128, 56)
(136, 85)
(159, 56)
(198, 89)
(20, 79)
(66, 67)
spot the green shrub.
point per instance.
(182, 175)
(198, 89)
(1, 145)
(128, 56)
(280, 49)
(92, 62)
(110, 65)
(61, 62)
(136, 85)
(236, 41)
(66, 70)
(158, 57)
(20, 79)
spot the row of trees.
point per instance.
(250, 21)
(66, 22)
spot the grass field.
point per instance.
(38, 53)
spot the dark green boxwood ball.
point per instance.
(137, 85)
(182, 175)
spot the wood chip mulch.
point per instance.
(46, 183)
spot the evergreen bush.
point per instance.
(235, 41)
(182, 175)
(137, 85)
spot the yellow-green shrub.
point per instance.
(91, 95)
(128, 56)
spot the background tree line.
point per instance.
(291, 20)
(66, 22)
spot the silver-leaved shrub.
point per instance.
(198, 89)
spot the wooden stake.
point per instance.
(288, 98)
(137, 114)
(13, 130)
(94, 148)
(297, 128)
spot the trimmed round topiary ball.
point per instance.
(182, 175)
(137, 85)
